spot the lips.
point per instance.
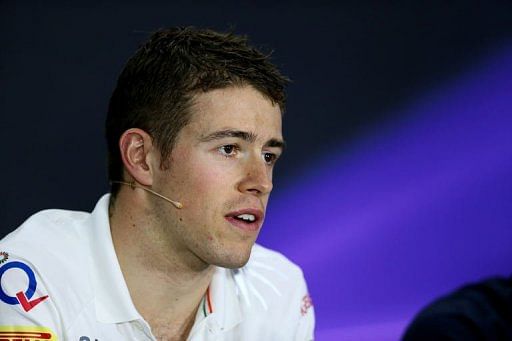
(249, 219)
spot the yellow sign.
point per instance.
(26, 333)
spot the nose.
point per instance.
(257, 178)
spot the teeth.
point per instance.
(247, 217)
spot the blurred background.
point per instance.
(396, 186)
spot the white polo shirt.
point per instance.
(60, 280)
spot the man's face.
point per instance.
(221, 170)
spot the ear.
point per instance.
(136, 147)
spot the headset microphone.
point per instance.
(133, 185)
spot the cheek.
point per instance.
(204, 178)
(206, 188)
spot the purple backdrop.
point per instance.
(415, 208)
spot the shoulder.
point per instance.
(49, 239)
(50, 250)
(46, 227)
(274, 297)
(271, 263)
(275, 283)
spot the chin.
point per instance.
(232, 260)
(233, 265)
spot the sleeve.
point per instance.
(306, 322)
(27, 310)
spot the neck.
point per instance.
(166, 284)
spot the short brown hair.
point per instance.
(155, 89)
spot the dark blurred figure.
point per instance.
(481, 311)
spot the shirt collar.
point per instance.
(113, 301)
(227, 312)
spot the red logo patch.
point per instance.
(26, 304)
(307, 303)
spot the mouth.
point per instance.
(249, 220)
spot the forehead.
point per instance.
(243, 108)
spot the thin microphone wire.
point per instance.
(133, 185)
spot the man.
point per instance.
(193, 132)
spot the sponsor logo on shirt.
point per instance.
(307, 303)
(4, 256)
(26, 333)
(22, 297)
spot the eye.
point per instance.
(228, 150)
(270, 158)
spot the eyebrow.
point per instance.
(243, 135)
